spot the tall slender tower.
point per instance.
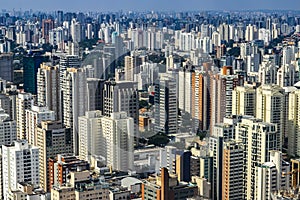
(166, 105)
(48, 88)
(232, 168)
(269, 108)
(74, 101)
(118, 131)
(294, 124)
(24, 102)
(20, 164)
(258, 138)
(52, 138)
(122, 96)
(91, 138)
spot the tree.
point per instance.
(159, 140)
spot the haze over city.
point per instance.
(146, 5)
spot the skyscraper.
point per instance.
(48, 88)
(67, 61)
(132, 65)
(31, 65)
(202, 101)
(118, 131)
(186, 89)
(122, 96)
(52, 138)
(8, 129)
(34, 116)
(166, 105)
(232, 168)
(20, 164)
(221, 88)
(24, 101)
(244, 100)
(73, 101)
(294, 124)
(258, 138)
(47, 25)
(76, 31)
(269, 108)
(6, 67)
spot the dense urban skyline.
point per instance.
(160, 103)
(146, 5)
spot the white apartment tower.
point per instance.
(287, 75)
(35, 116)
(48, 89)
(259, 138)
(267, 73)
(186, 88)
(272, 176)
(91, 138)
(244, 100)
(118, 131)
(20, 164)
(74, 100)
(24, 101)
(270, 107)
(294, 123)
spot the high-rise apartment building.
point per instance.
(118, 131)
(287, 75)
(258, 139)
(91, 140)
(48, 88)
(8, 129)
(186, 89)
(122, 96)
(52, 138)
(132, 65)
(269, 107)
(293, 123)
(233, 165)
(202, 101)
(47, 26)
(74, 101)
(6, 67)
(244, 100)
(221, 88)
(20, 164)
(166, 105)
(35, 116)
(76, 31)
(24, 101)
(272, 176)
